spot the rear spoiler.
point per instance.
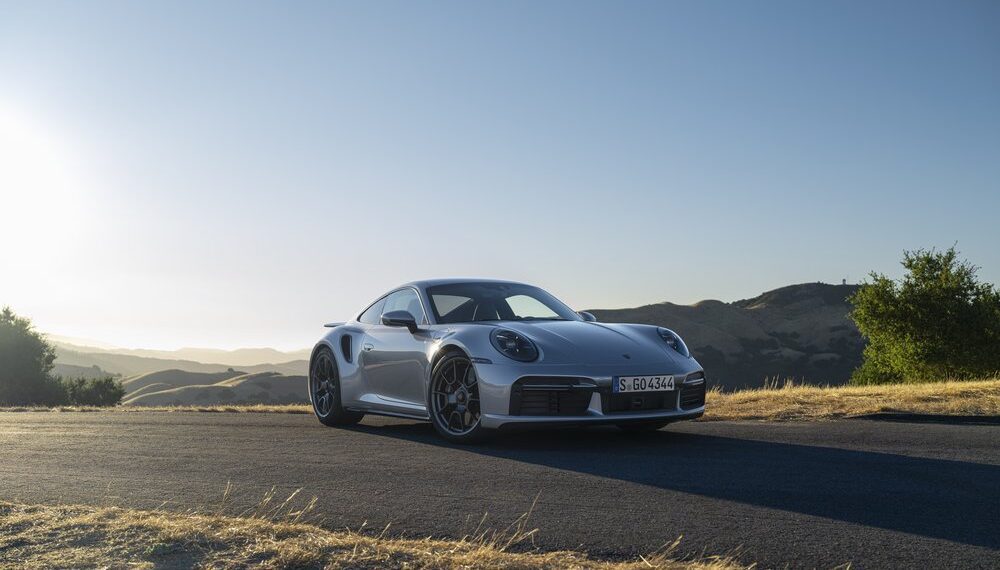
(331, 325)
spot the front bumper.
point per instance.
(516, 422)
(513, 396)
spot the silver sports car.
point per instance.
(474, 356)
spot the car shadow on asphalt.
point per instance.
(948, 419)
(952, 500)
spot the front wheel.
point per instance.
(324, 391)
(454, 400)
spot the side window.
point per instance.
(445, 304)
(373, 315)
(405, 300)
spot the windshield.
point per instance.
(471, 302)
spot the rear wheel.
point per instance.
(454, 400)
(640, 427)
(324, 391)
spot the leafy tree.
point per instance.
(94, 391)
(26, 364)
(938, 322)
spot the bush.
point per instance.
(26, 361)
(26, 365)
(94, 391)
(938, 322)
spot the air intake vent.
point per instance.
(555, 396)
(692, 396)
(345, 346)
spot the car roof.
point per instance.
(425, 283)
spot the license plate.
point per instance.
(623, 384)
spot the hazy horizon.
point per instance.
(235, 174)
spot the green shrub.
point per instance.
(94, 391)
(26, 365)
(26, 371)
(938, 322)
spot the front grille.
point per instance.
(641, 401)
(550, 396)
(552, 403)
(692, 396)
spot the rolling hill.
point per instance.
(242, 357)
(73, 371)
(800, 331)
(180, 388)
(130, 364)
(155, 378)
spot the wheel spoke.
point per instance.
(455, 397)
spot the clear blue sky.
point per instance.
(236, 173)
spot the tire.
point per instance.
(324, 391)
(643, 427)
(453, 400)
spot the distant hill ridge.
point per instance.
(70, 358)
(799, 331)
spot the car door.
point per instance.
(395, 360)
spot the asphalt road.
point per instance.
(876, 494)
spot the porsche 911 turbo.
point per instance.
(477, 356)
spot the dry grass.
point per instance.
(787, 402)
(220, 408)
(809, 403)
(33, 536)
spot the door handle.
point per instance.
(368, 347)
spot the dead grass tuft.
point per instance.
(273, 536)
(809, 403)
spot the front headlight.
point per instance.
(674, 341)
(513, 345)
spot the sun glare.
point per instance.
(41, 189)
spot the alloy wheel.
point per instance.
(455, 397)
(323, 385)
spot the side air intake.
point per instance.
(345, 346)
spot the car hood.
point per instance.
(582, 342)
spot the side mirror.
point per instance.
(589, 317)
(400, 319)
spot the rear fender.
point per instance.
(344, 341)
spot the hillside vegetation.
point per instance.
(800, 331)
